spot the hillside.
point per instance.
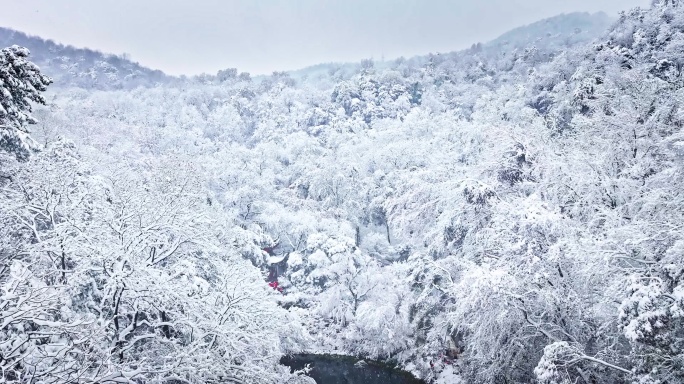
(548, 36)
(556, 32)
(82, 67)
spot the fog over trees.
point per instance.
(510, 213)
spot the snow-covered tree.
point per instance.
(21, 83)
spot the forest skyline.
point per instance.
(261, 37)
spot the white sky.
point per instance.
(260, 36)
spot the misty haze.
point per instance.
(358, 192)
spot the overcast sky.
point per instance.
(260, 36)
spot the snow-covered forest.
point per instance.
(511, 213)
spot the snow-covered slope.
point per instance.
(548, 35)
(555, 32)
(82, 67)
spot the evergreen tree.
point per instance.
(20, 84)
